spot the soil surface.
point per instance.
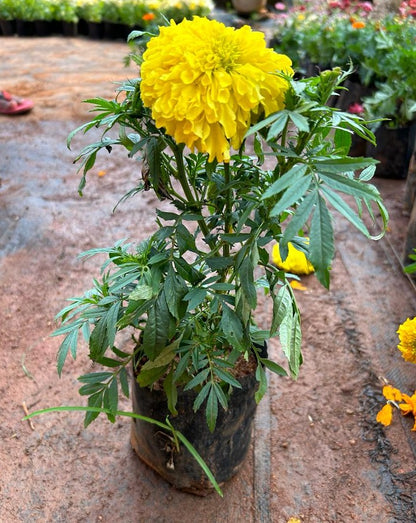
(317, 453)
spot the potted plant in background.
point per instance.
(245, 156)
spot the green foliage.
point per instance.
(382, 53)
(188, 294)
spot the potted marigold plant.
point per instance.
(247, 157)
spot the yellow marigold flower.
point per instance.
(385, 415)
(407, 337)
(206, 82)
(296, 261)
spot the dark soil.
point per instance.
(317, 452)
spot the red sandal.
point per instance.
(10, 104)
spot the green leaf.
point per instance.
(69, 343)
(157, 328)
(197, 380)
(262, 379)
(342, 207)
(222, 398)
(98, 340)
(171, 393)
(290, 178)
(185, 240)
(282, 305)
(291, 339)
(195, 297)
(124, 381)
(343, 165)
(95, 400)
(227, 377)
(212, 409)
(291, 196)
(110, 399)
(175, 291)
(232, 327)
(299, 121)
(299, 218)
(146, 378)
(349, 186)
(321, 247)
(95, 377)
(164, 358)
(246, 273)
(203, 393)
(278, 125)
(141, 292)
(273, 366)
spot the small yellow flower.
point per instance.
(296, 261)
(205, 83)
(407, 337)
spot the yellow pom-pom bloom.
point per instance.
(205, 83)
(296, 261)
(407, 337)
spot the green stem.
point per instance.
(181, 174)
(228, 206)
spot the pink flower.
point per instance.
(356, 108)
(280, 6)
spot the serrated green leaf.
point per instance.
(342, 207)
(273, 366)
(282, 305)
(291, 339)
(69, 343)
(171, 393)
(246, 274)
(146, 378)
(290, 178)
(227, 377)
(195, 297)
(343, 165)
(124, 382)
(212, 409)
(222, 398)
(232, 327)
(203, 393)
(157, 328)
(98, 340)
(197, 380)
(299, 218)
(141, 292)
(95, 400)
(164, 358)
(299, 121)
(110, 399)
(95, 377)
(90, 388)
(321, 246)
(262, 379)
(292, 195)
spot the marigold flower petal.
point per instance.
(407, 337)
(385, 415)
(205, 83)
(390, 393)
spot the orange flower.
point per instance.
(148, 17)
(392, 394)
(358, 25)
(409, 406)
(385, 415)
